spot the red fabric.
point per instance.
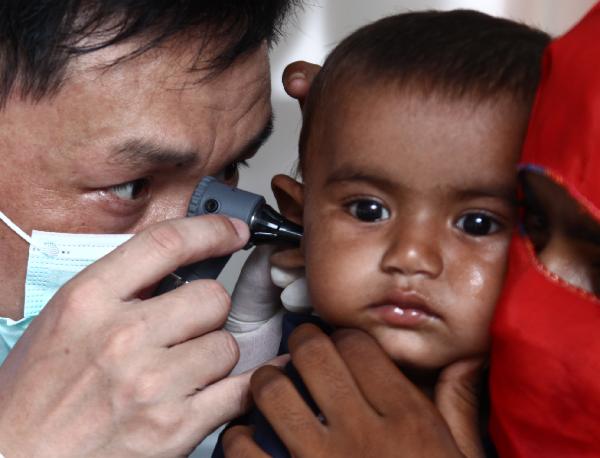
(545, 362)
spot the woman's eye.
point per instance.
(478, 224)
(368, 210)
(537, 227)
(131, 190)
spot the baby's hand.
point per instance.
(457, 399)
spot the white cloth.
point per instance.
(258, 302)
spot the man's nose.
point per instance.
(413, 250)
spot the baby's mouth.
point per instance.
(404, 310)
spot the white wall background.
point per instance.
(321, 25)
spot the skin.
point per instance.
(433, 253)
(101, 372)
(565, 236)
(63, 156)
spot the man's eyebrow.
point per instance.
(138, 152)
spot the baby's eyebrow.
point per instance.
(499, 191)
(350, 173)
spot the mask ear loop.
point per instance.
(17, 230)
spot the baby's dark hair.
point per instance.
(458, 53)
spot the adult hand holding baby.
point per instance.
(372, 409)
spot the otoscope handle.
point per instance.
(213, 197)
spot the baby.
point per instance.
(411, 135)
(410, 139)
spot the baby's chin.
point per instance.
(417, 352)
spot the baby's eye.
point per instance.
(131, 190)
(478, 224)
(368, 210)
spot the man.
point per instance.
(112, 111)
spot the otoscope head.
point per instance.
(266, 224)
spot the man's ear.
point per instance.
(290, 197)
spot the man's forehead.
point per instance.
(175, 65)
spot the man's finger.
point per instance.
(297, 78)
(238, 443)
(385, 388)
(162, 248)
(286, 411)
(224, 400)
(197, 363)
(186, 312)
(326, 375)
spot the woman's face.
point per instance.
(565, 236)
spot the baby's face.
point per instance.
(408, 210)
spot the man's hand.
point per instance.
(101, 372)
(370, 409)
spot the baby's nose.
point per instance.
(413, 252)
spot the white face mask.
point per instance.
(54, 258)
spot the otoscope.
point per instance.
(267, 226)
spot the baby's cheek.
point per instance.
(335, 280)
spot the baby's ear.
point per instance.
(290, 197)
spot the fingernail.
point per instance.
(241, 228)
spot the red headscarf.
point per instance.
(545, 364)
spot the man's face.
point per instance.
(409, 204)
(122, 147)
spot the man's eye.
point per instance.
(231, 172)
(478, 224)
(368, 210)
(131, 190)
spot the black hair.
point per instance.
(38, 38)
(458, 53)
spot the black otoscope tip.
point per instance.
(268, 226)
